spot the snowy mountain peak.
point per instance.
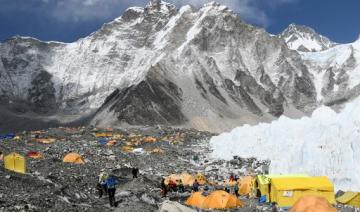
(160, 6)
(305, 39)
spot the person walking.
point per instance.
(111, 183)
(135, 172)
(101, 186)
(163, 188)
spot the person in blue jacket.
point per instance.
(111, 184)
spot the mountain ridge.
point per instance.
(203, 68)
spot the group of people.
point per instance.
(107, 185)
(175, 186)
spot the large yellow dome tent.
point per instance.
(312, 204)
(221, 200)
(73, 158)
(15, 162)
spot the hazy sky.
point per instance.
(68, 20)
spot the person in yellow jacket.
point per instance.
(101, 186)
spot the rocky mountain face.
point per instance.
(203, 68)
(305, 39)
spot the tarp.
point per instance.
(196, 200)
(286, 191)
(350, 198)
(312, 204)
(221, 200)
(15, 162)
(73, 158)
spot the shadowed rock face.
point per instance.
(42, 94)
(153, 101)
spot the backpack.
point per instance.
(111, 182)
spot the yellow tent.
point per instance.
(246, 185)
(185, 178)
(157, 151)
(150, 139)
(73, 158)
(196, 200)
(312, 204)
(103, 134)
(286, 191)
(127, 149)
(15, 162)
(201, 178)
(350, 198)
(262, 183)
(221, 200)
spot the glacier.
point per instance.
(325, 144)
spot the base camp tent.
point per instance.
(196, 200)
(34, 155)
(312, 204)
(286, 191)
(186, 179)
(246, 185)
(350, 198)
(15, 162)
(73, 158)
(262, 183)
(221, 200)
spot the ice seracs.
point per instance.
(325, 144)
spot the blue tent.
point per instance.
(7, 136)
(103, 141)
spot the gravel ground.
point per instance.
(51, 185)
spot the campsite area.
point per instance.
(58, 168)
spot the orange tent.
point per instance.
(312, 204)
(34, 155)
(127, 149)
(111, 143)
(73, 158)
(196, 200)
(221, 200)
(45, 140)
(157, 150)
(149, 139)
(246, 185)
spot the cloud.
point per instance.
(102, 10)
